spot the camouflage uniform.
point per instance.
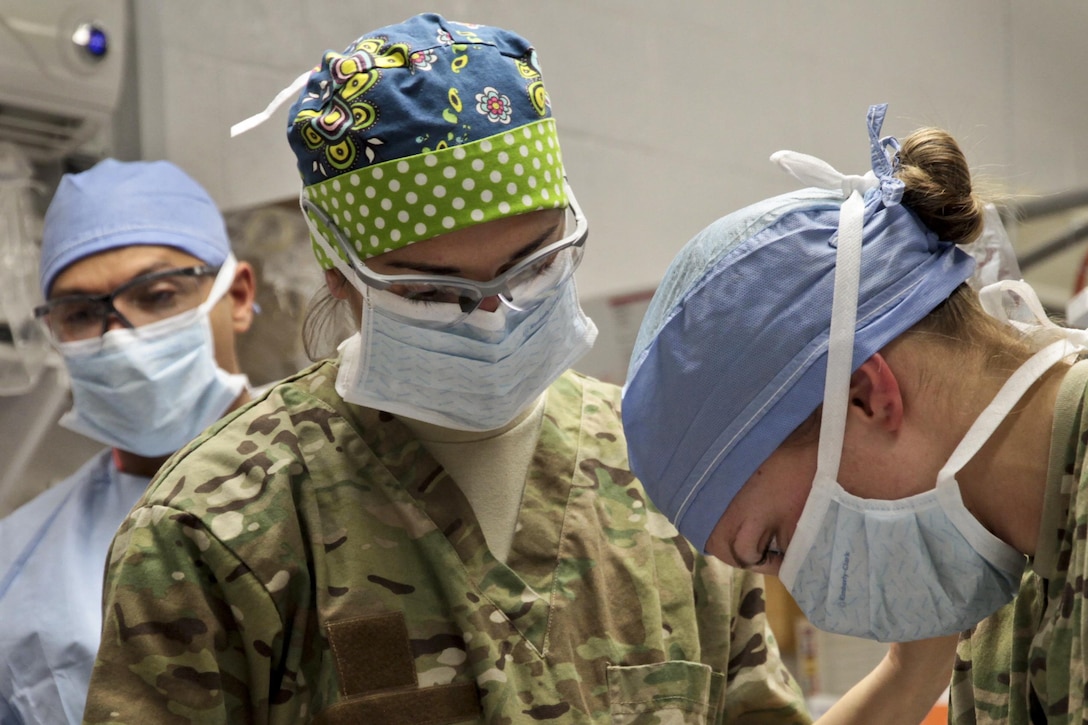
(1026, 663)
(310, 561)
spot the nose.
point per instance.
(490, 304)
(113, 322)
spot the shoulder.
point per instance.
(597, 402)
(273, 437)
(591, 387)
(30, 521)
(234, 498)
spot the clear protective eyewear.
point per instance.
(140, 301)
(518, 287)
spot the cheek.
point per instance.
(223, 335)
(717, 545)
(793, 507)
(864, 476)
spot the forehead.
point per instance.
(495, 240)
(105, 271)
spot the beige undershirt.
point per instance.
(489, 467)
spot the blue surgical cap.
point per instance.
(732, 352)
(121, 204)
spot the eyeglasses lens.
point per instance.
(139, 302)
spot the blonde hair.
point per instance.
(939, 190)
(938, 185)
(328, 321)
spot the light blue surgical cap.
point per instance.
(732, 352)
(121, 204)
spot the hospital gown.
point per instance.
(52, 557)
(312, 562)
(1027, 663)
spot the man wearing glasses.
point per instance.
(143, 302)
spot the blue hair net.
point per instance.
(121, 204)
(732, 353)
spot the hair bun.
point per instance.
(938, 185)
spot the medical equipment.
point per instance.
(33, 385)
(61, 65)
(23, 345)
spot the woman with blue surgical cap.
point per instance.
(438, 525)
(816, 393)
(143, 300)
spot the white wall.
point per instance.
(668, 111)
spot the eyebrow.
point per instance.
(450, 271)
(151, 268)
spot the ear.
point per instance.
(242, 292)
(338, 286)
(875, 394)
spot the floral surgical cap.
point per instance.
(422, 128)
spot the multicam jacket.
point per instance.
(1026, 664)
(308, 561)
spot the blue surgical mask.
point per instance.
(151, 389)
(477, 375)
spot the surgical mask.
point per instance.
(914, 568)
(476, 375)
(149, 390)
(893, 570)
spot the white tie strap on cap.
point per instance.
(282, 97)
(812, 171)
(844, 305)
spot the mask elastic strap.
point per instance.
(1072, 341)
(224, 278)
(337, 260)
(1003, 402)
(840, 343)
(996, 551)
(992, 298)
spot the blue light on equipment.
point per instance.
(91, 39)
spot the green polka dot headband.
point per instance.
(391, 205)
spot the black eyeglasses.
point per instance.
(140, 301)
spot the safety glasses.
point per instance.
(523, 287)
(140, 301)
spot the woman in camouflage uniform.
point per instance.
(439, 525)
(896, 446)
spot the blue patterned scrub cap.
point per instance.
(425, 127)
(126, 203)
(732, 353)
